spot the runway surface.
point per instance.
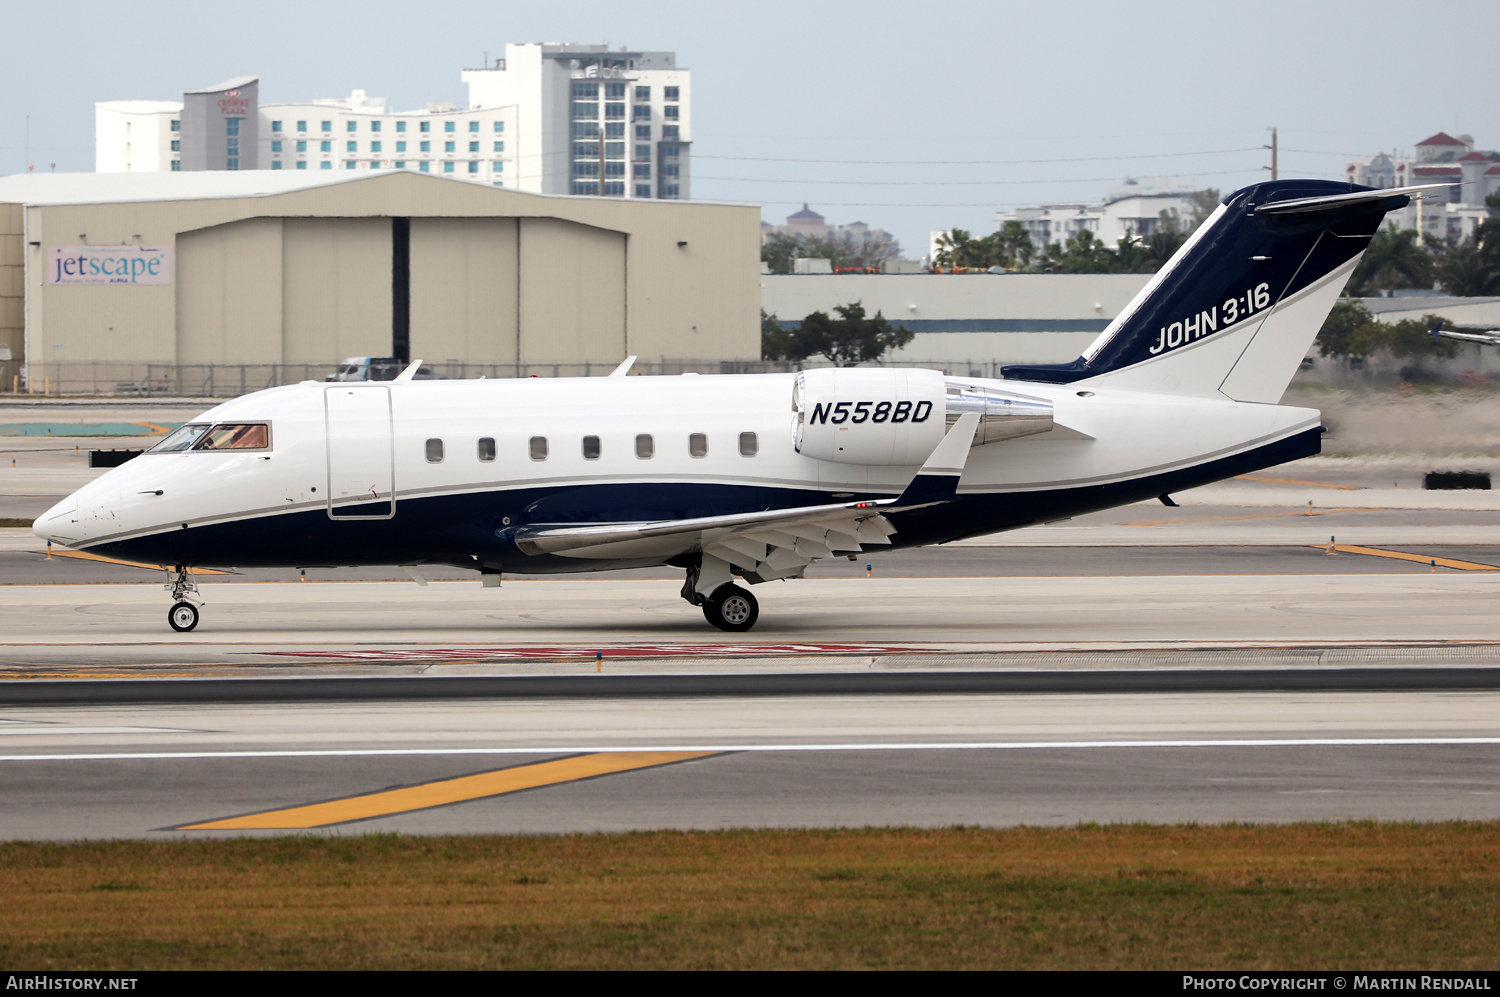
(562, 766)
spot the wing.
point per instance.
(776, 543)
(1487, 338)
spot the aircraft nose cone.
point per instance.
(59, 524)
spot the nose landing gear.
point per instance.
(183, 616)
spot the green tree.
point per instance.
(1413, 339)
(777, 342)
(955, 248)
(1014, 246)
(1205, 202)
(852, 338)
(1348, 332)
(1010, 247)
(1146, 255)
(1472, 267)
(1351, 333)
(1393, 259)
(869, 253)
(778, 250)
(1461, 269)
(1082, 253)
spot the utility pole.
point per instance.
(1274, 174)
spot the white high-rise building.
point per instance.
(358, 132)
(593, 121)
(548, 118)
(137, 136)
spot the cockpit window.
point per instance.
(182, 439)
(236, 436)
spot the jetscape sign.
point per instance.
(110, 265)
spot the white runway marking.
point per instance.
(1290, 742)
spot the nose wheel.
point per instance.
(731, 608)
(183, 617)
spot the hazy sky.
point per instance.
(908, 116)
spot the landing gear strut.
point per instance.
(183, 616)
(727, 606)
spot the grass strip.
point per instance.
(15, 523)
(1301, 896)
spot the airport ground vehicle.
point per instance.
(749, 478)
(375, 369)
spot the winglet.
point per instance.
(624, 367)
(410, 371)
(937, 481)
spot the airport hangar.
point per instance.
(262, 267)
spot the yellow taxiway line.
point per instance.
(445, 791)
(1442, 562)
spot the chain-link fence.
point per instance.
(143, 380)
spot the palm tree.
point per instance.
(1393, 260)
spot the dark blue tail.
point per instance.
(1235, 310)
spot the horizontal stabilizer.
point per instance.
(1304, 204)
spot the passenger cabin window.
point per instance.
(645, 447)
(698, 445)
(434, 451)
(486, 448)
(591, 448)
(539, 448)
(749, 445)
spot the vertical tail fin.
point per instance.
(1237, 307)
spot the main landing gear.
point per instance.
(727, 606)
(731, 608)
(183, 616)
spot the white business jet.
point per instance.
(748, 478)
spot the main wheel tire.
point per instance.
(183, 617)
(732, 609)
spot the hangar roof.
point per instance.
(106, 188)
(45, 189)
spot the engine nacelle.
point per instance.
(892, 415)
(868, 415)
